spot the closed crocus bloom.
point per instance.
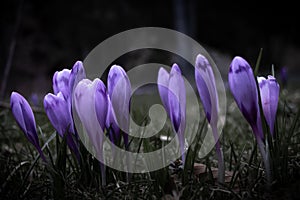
(84, 100)
(64, 81)
(88, 97)
(205, 81)
(56, 107)
(173, 96)
(172, 93)
(177, 100)
(76, 75)
(119, 91)
(243, 87)
(57, 110)
(269, 93)
(206, 86)
(24, 117)
(61, 82)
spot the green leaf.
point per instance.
(257, 65)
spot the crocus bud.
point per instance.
(56, 107)
(85, 104)
(64, 81)
(177, 99)
(173, 96)
(61, 82)
(58, 112)
(243, 88)
(88, 97)
(119, 91)
(76, 75)
(24, 117)
(205, 81)
(269, 93)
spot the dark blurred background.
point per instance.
(40, 37)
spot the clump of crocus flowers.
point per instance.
(242, 83)
(106, 108)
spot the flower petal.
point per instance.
(101, 103)
(163, 85)
(111, 122)
(76, 75)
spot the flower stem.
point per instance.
(265, 158)
(220, 157)
(103, 174)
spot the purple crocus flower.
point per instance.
(90, 101)
(89, 111)
(58, 106)
(243, 87)
(57, 110)
(269, 93)
(173, 96)
(61, 82)
(119, 91)
(24, 117)
(64, 81)
(76, 75)
(205, 81)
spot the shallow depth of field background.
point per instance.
(52, 35)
